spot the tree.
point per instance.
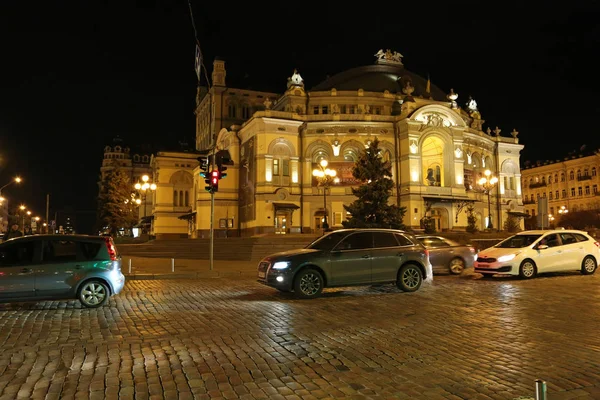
(116, 208)
(471, 219)
(371, 209)
(512, 224)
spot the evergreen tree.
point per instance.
(116, 208)
(511, 224)
(471, 219)
(371, 209)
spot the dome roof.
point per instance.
(379, 78)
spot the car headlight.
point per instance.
(281, 265)
(507, 257)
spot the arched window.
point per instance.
(586, 172)
(556, 178)
(578, 173)
(549, 178)
(562, 176)
(181, 198)
(571, 175)
(175, 197)
(593, 171)
(432, 152)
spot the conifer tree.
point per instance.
(372, 208)
(116, 206)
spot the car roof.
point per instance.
(54, 236)
(546, 231)
(370, 230)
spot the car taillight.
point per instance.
(112, 251)
(427, 253)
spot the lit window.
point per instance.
(276, 167)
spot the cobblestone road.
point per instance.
(459, 338)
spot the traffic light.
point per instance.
(204, 163)
(214, 180)
(222, 173)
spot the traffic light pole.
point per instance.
(212, 216)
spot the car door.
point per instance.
(551, 258)
(572, 253)
(57, 269)
(351, 260)
(17, 276)
(440, 252)
(386, 257)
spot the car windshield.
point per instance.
(518, 241)
(327, 242)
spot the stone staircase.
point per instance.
(235, 249)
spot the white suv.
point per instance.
(530, 253)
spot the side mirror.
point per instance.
(542, 246)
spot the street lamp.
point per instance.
(563, 210)
(23, 208)
(15, 180)
(487, 183)
(325, 177)
(143, 188)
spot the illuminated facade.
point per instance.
(134, 164)
(571, 183)
(437, 149)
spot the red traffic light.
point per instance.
(215, 177)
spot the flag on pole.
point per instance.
(198, 62)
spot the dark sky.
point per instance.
(77, 73)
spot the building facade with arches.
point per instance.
(437, 150)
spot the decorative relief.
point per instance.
(458, 152)
(434, 119)
(413, 146)
(349, 129)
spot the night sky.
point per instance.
(76, 74)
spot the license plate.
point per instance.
(261, 274)
(482, 265)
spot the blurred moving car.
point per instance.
(530, 253)
(349, 257)
(55, 267)
(447, 255)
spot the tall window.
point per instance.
(564, 193)
(571, 175)
(572, 192)
(276, 167)
(433, 158)
(246, 111)
(594, 171)
(231, 110)
(175, 198)
(562, 176)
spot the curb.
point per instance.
(191, 275)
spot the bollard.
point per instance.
(130, 265)
(540, 389)
(172, 265)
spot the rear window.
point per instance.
(89, 250)
(580, 237)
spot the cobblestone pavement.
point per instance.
(458, 338)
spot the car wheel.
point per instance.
(527, 270)
(589, 265)
(93, 293)
(308, 284)
(409, 278)
(457, 266)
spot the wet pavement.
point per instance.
(458, 338)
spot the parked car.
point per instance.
(349, 257)
(447, 255)
(54, 267)
(530, 253)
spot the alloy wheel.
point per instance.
(310, 284)
(93, 294)
(457, 266)
(411, 278)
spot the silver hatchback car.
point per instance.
(56, 267)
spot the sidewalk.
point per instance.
(167, 268)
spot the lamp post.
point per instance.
(487, 183)
(143, 188)
(16, 180)
(23, 208)
(325, 177)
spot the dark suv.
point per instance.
(349, 257)
(54, 267)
